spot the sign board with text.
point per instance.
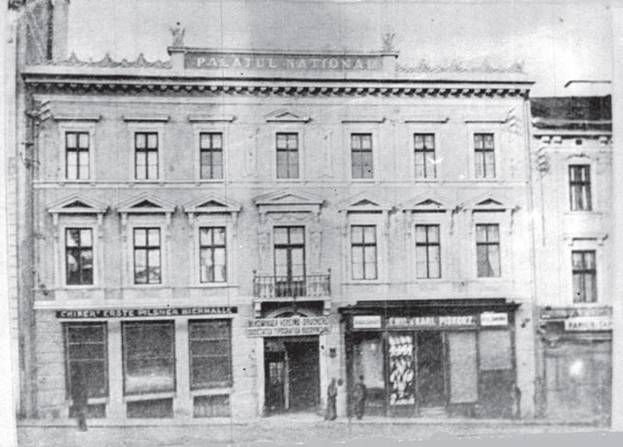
(584, 324)
(291, 326)
(144, 312)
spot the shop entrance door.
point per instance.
(292, 374)
(431, 369)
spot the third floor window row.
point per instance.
(147, 156)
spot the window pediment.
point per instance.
(146, 204)
(423, 203)
(288, 201)
(77, 205)
(212, 204)
(364, 203)
(286, 116)
(485, 203)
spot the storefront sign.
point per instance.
(208, 60)
(579, 324)
(367, 322)
(144, 313)
(494, 319)
(431, 322)
(278, 327)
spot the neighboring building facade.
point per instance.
(572, 148)
(222, 234)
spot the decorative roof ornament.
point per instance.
(108, 62)
(423, 66)
(388, 42)
(178, 35)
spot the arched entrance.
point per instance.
(291, 369)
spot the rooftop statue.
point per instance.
(388, 42)
(178, 35)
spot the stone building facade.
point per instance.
(221, 234)
(572, 149)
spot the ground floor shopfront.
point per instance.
(434, 358)
(575, 378)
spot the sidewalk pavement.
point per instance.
(279, 430)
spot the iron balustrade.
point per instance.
(291, 286)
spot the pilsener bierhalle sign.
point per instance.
(144, 312)
(281, 62)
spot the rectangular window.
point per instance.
(425, 164)
(289, 255)
(86, 355)
(148, 356)
(427, 251)
(287, 155)
(485, 155)
(77, 155)
(79, 256)
(363, 251)
(361, 155)
(146, 156)
(488, 250)
(211, 156)
(147, 256)
(584, 276)
(212, 254)
(580, 187)
(210, 353)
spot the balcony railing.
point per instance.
(291, 286)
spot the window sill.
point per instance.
(363, 180)
(147, 286)
(426, 180)
(92, 401)
(210, 181)
(69, 288)
(359, 282)
(215, 285)
(211, 392)
(149, 396)
(77, 182)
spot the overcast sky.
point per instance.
(557, 40)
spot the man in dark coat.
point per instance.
(359, 397)
(79, 396)
(331, 413)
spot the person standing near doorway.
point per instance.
(331, 413)
(79, 396)
(359, 397)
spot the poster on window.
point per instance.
(401, 370)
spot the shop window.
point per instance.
(401, 370)
(146, 156)
(425, 163)
(79, 256)
(97, 411)
(86, 356)
(361, 156)
(495, 350)
(488, 250)
(484, 153)
(211, 406)
(154, 408)
(147, 256)
(210, 353)
(363, 252)
(287, 155)
(368, 362)
(584, 274)
(148, 357)
(580, 187)
(427, 251)
(211, 155)
(212, 254)
(77, 156)
(463, 367)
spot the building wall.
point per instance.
(249, 172)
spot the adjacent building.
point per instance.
(221, 234)
(572, 150)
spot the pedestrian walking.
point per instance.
(79, 396)
(359, 397)
(515, 401)
(331, 412)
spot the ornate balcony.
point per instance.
(307, 286)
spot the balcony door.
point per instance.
(289, 261)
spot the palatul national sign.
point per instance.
(281, 62)
(278, 327)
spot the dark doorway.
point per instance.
(430, 369)
(292, 381)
